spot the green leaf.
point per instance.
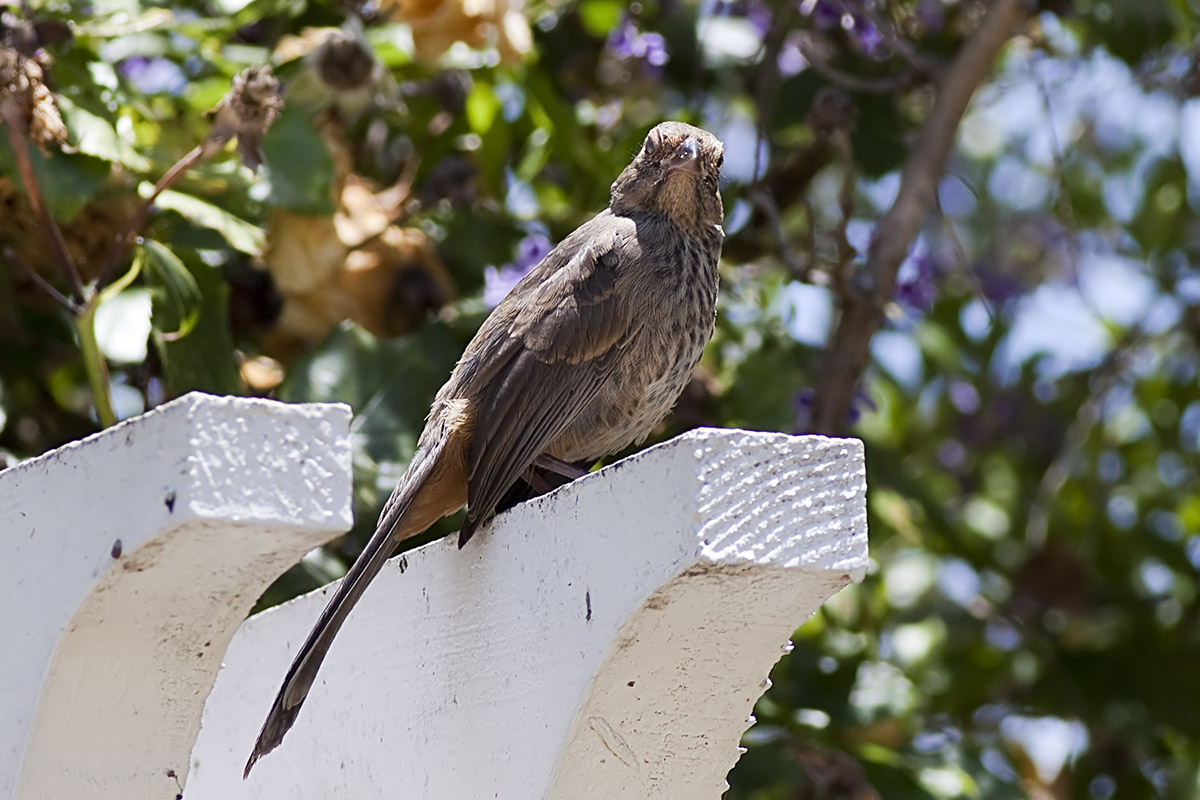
(392, 44)
(298, 165)
(204, 360)
(174, 296)
(241, 235)
(1189, 512)
(255, 10)
(205, 94)
(109, 21)
(93, 135)
(68, 181)
(482, 107)
(761, 396)
(600, 16)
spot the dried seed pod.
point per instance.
(25, 101)
(246, 112)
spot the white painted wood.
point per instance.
(130, 558)
(605, 641)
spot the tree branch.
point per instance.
(138, 218)
(870, 290)
(844, 80)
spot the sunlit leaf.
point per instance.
(392, 44)
(482, 107)
(601, 16)
(241, 235)
(175, 297)
(204, 359)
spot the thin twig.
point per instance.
(37, 278)
(766, 78)
(847, 354)
(765, 86)
(138, 218)
(1107, 376)
(964, 260)
(396, 196)
(1066, 207)
(19, 143)
(844, 80)
(761, 198)
(846, 251)
(920, 62)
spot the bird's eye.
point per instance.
(650, 145)
(720, 161)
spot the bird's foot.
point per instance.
(559, 467)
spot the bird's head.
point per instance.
(675, 174)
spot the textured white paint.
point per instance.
(505, 670)
(109, 650)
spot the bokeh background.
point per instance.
(1028, 382)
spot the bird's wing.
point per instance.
(565, 338)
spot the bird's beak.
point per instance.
(686, 156)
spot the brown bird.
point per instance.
(584, 357)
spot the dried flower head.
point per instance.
(25, 101)
(345, 63)
(246, 112)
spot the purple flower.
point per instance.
(917, 295)
(827, 14)
(860, 401)
(755, 12)
(951, 454)
(499, 281)
(622, 38)
(846, 14)
(153, 75)
(791, 61)
(931, 14)
(868, 37)
(998, 287)
(917, 286)
(627, 42)
(531, 250)
(964, 397)
(802, 404)
(654, 48)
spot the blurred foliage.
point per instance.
(1030, 625)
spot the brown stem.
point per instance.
(37, 278)
(19, 143)
(846, 252)
(870, 290)
(138, 218)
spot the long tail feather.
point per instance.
(382, 544)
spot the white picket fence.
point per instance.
(606, 640)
